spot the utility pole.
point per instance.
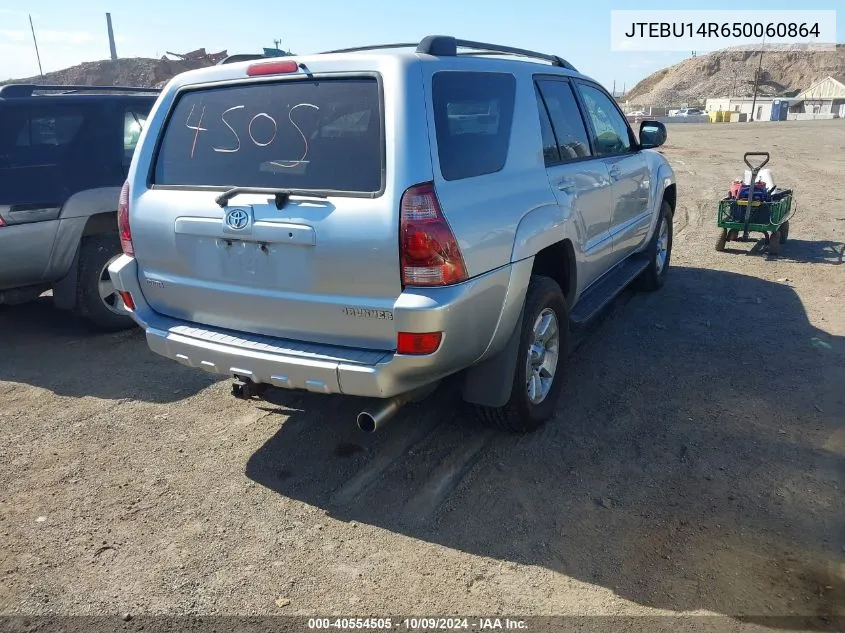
(35, 41)
(756, 84)
(111, 38)
(614, 89)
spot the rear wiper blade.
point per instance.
(281, 195)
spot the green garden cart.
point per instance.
(755, 207)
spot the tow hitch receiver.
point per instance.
(246, 389)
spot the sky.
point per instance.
(70, 33)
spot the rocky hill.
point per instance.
(731, 73)
(138, 71)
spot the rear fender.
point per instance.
(490, 380)
(539, 228)
(88, 212)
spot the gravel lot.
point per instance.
(696, 464)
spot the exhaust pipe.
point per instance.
(380, 413)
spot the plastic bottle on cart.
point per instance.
(765, 176)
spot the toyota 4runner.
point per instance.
(367, 222)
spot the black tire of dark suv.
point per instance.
(95, 252)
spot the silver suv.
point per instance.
(368, 223)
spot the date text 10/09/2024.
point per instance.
(418, 624)
(724, 29)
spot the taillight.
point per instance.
(272, 68)
(123, 221)
(128, 301)
(418, 343)
(428, 251)
(2, 223)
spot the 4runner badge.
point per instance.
(365, 313)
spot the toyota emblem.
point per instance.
(236, 219)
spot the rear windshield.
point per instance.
(300, 134)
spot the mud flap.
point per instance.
(64, 290)
(490, 383)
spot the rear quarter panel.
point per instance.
(25, 253)
(485, 211)
(72, 221)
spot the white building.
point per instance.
(825, 99)
(743, 105)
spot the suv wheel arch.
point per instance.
(489, 383)
(65, 290)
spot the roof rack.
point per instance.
(447, 46)
(241, 57)
(27, 90)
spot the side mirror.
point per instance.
(652, 134)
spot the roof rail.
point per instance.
(374, 47)
(27, 90)
(241, 57)
(447, 46)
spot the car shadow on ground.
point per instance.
(697, 460)
(45, 347)
(799, 251)
(814, 251)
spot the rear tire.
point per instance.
(721, 240)
(659, 252)
(538, 377)
(104, 313)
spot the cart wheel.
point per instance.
(733, 235)
(784, 232)
(774, 243)
(721, 240)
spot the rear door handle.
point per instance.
(568, 187)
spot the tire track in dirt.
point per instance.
(445, 479)
(402, 474)
(398, 445)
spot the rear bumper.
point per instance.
(468, 314)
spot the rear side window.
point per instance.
(51, 148)
(49, 130)
(42, 135)
(37, 136)
(473, 115)
(300, 134)
(134, 120)
(569, 130)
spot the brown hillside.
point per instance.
(138, 71)
(731, 73)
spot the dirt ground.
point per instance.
(696, 464)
